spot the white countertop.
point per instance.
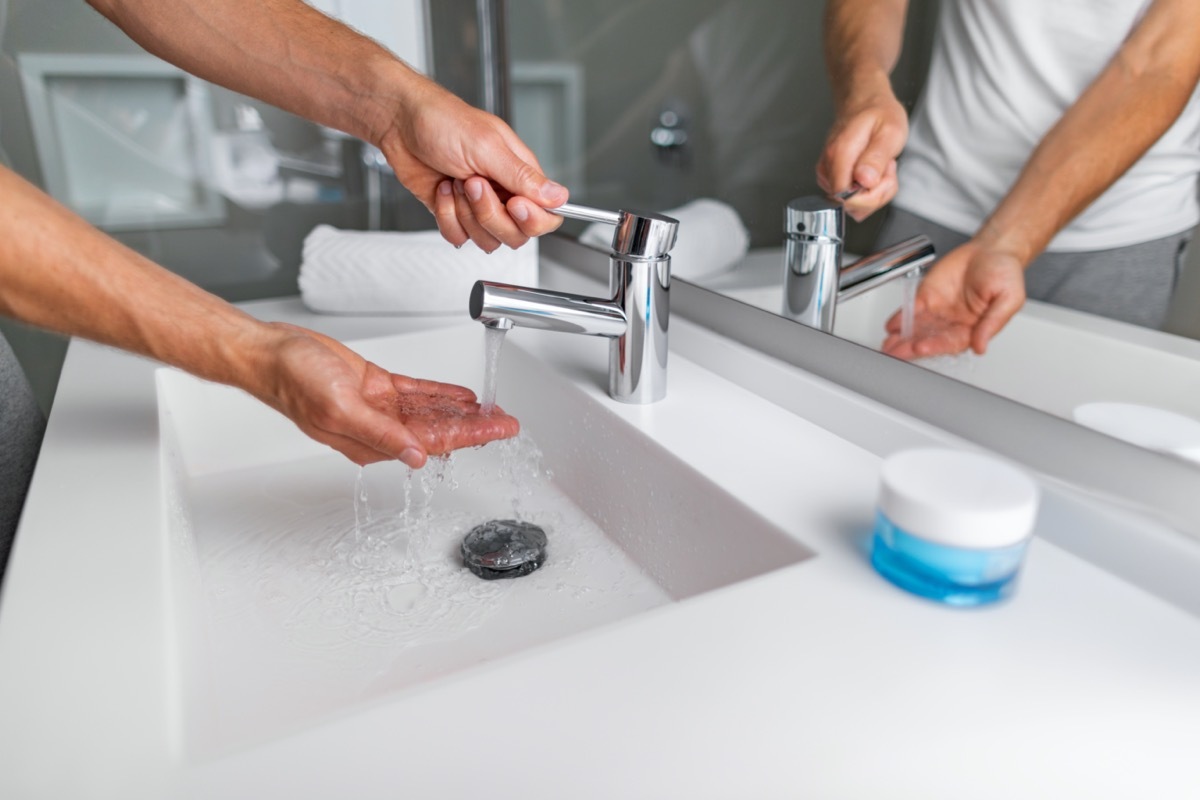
(815, 680)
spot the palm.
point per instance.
(963, 302)
(369, 414)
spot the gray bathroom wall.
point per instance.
(254, 250)
(744, 78)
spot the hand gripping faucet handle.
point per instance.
(639, 234)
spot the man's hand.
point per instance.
(964, 301)
(861, 152)
(469, 168)
(366, 413)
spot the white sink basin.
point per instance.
(303, 588)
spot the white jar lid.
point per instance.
(958, 498)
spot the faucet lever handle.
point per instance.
(587, 214)
(638, 234)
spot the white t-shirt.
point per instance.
(1003, 73)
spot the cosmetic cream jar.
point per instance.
(953, 525)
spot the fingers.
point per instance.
(366, 435)
(862, 150)
(446, 213)
(948, 340)
(472, 210)
(993, 320)
(869, 200)
(835, 170)
(363, 454)
(899, 347)
(532, 218)
(876, 161)
(466, 217)
(896, 320)
(519, 174)
(405, 384)
(443, 434)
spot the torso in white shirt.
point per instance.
(1003, 73)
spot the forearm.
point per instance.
(281, 51)
(1136, 98)
(863, 39)
(59, 273)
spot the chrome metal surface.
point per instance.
(588, 214)
(637, 360)
(494, 304)
(493, 56)
(635, 318)
(638, 234)
(813, 278)
(888, 264)
(815, 217)
(644, 234)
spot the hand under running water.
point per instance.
(367, 413)
(967, 297)
(447, 417)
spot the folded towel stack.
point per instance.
(385, 272)
(712, 239)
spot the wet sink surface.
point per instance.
(304, 587)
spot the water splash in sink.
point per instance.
(301, 588)
(335, 596)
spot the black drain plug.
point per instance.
(504, 548)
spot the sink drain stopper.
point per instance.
(504, 548)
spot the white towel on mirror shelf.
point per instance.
(390, 272)
(712, 239)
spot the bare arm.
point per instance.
(862, 45)
(1126, 109)
(58, 272)
(290, 55)
(972, 293)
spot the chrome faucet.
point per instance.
(813, 278)
(634, 320)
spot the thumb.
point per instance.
(993, 320)
(520, 177)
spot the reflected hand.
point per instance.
(861, 150)
(471, 171)
(367, 413)
(965, 300)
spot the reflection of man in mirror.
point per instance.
(1055, 153)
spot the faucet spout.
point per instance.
(813, 279)
(902, 258)
(501, 305)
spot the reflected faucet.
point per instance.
(813, 278)
(634, 319)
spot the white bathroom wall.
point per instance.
(398, 25)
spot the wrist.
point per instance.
(862, 88)
(1009, 238)
(243, 353)
(396, 94)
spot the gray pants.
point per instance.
(1132, 284)
(21, 428)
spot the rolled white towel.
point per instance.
(387, 272)
(712, 238)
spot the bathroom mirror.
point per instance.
(660, 103)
